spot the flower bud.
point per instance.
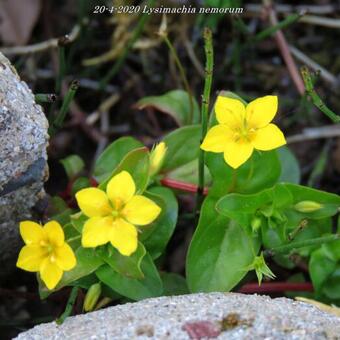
(157, 158)
(255, 223)
(307, 206)
(92, 297)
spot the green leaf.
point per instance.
(331, 286)
(330, 202)
(175, 103)
(183, 146)
(150, 286)
(290, 169)
(189, 173)
(232, 205)
(79, 184)
(320, 268)
(137, 163)
(174, 284)
(261, 171)
(78, 221)
(129, 266)
(156, 236)
(73, 165)
(112, 156)
(219, 252)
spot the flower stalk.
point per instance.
(209, 53)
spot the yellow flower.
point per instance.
(242, 129)
(114, 214)
(157, 157)
(45, 251)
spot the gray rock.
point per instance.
(197, 316)
(23, 167)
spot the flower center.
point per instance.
(244, 133)
(49, 249)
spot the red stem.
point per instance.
(179, 185)
(276, 287)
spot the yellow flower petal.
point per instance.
(229, 111)
(261, 111)
(236, 154)
(64, 257)
(50, 273)
(93, 202)
(120, 189)
(31, 257)
(217, 138)
(268, 138)
(124, 237)
(141, 210)
(54, 233)
(96, 231)
(31, 232)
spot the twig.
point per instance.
(284, 49)
(317, 101)
(209, 55)
(69, 306)
(321, 132)
(42, 46)
(286, 248)
(183, 76)
(59, 120)
(321, 21)
(326, 75)
(137, 32)
(276, 287)
(273, 29)
(191, 53)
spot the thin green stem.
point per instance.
(302, 225)
(45, 98)
(69, 306)
(136, 34)
(209, 54)
(59, 120)
(183, 76)
(287, 248)
(273, 29)
(71, 239)
(316, 100)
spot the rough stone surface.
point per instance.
(23, 167)
(222, 316)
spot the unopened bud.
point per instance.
(157, 158)
(307, 206)
(92, 297)
(255, 223)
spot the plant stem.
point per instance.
(209, 54)
(59, 120)
(275, 287)
(45, 98)
(273, 29)
(136, 33)
(317, 101)
(286, 248)
(179, 185)
(183, 76)
(69, 306)
(303, 224)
